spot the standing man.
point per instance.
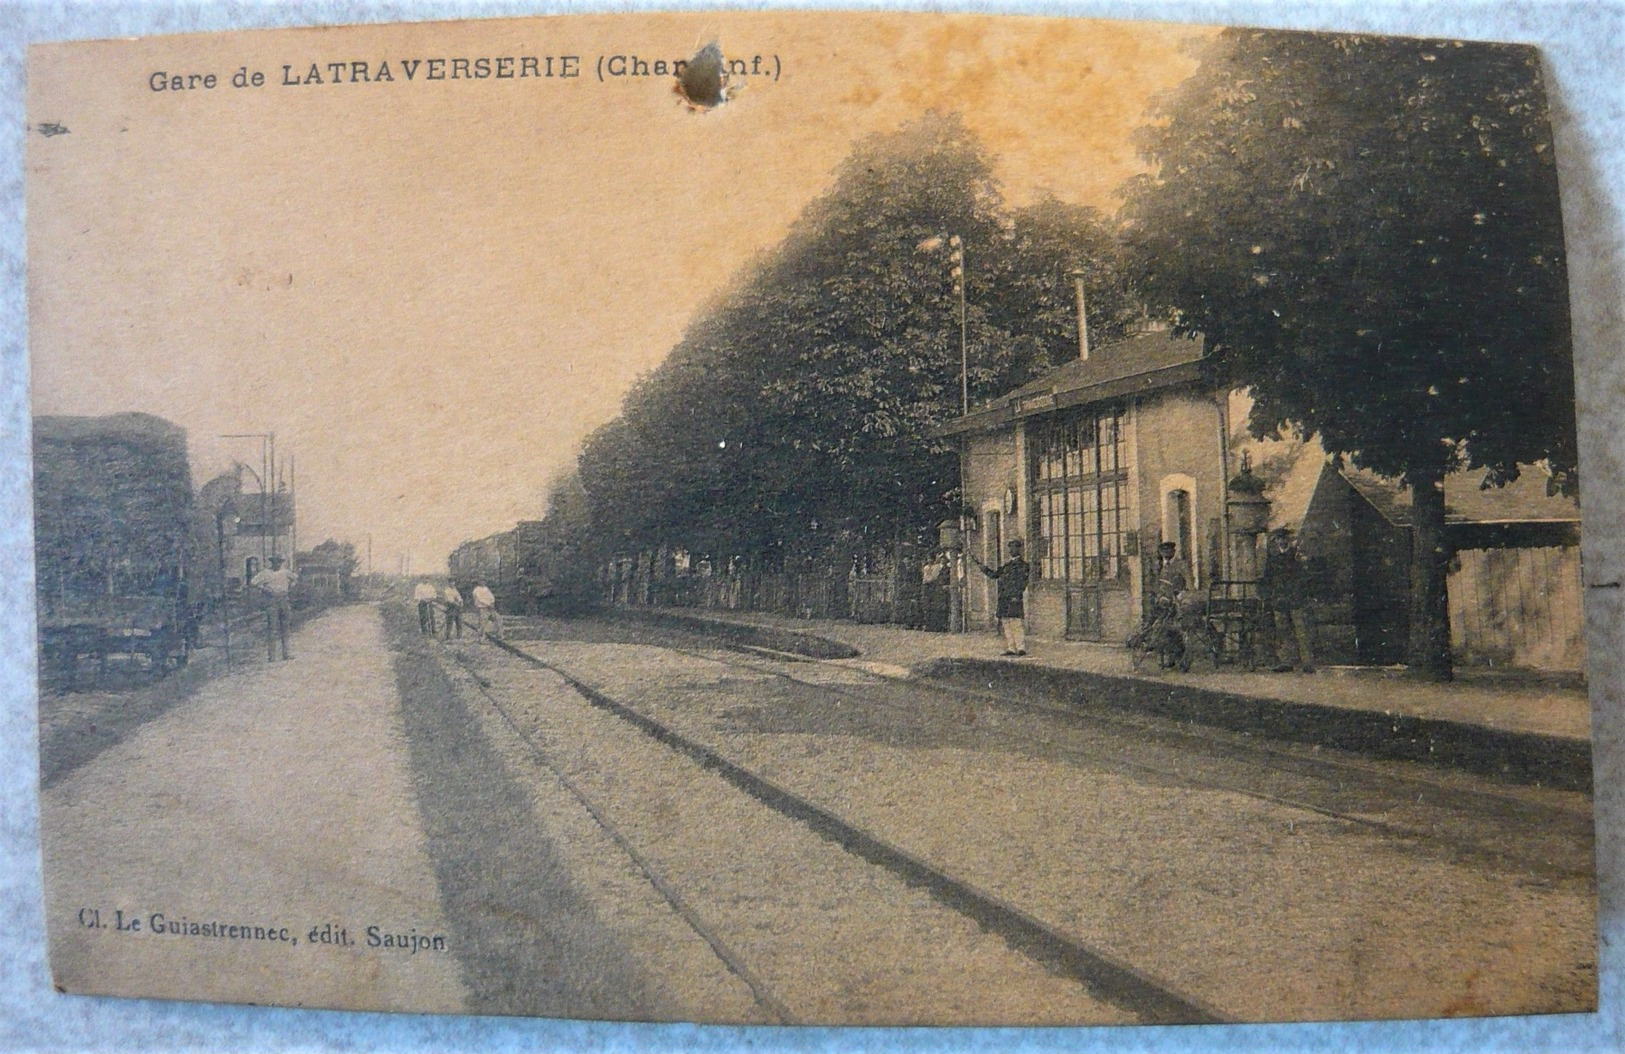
(454, 610)
(1012, 577)
(1284, 590)
(1173, 575)
(1173, 583)
(424, 594)
(274, 587)
(485, 610)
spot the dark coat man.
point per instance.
(1284, 591)
(1012, 577)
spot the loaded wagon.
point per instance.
(112, 513)
(123, 634)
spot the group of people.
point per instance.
(449, 601)
(273, 587)
(1284, 593)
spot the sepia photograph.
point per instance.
(809, 518)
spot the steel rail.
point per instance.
(1121, 984)
(1219, 744)
(720, 948)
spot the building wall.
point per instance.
(242, 547)
(1177, 446)
(1173, 442)
(1327, 539)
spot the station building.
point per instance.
(1101, 459)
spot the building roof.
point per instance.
(1466, 500)
(1143, 363)
(1292, 471)
(1292, 489)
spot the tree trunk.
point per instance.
(1428, 650)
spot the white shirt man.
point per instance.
(454, 610)
(276, 583)
(274, 586)
(485, 609)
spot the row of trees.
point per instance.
(1365, 229)
(796, 412)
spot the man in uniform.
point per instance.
(1173, 575)
(1172, 606)
(1284, 590)
(1012, 577)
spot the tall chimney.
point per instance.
(1083, 319)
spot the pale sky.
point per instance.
(431, 291)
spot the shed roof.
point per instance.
(1466, 500)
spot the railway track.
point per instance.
(1452, 818)
(1337, 777)
(1433, 808)
(1148, 999)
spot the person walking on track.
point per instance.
(453, 601)
(485, 610)
(1012, 577)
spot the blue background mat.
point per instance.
(1583, 43)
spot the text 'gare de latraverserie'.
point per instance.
(477, 68)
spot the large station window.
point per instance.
(1079, 469)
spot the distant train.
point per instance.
(532, 569)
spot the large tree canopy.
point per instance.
(1367, 230)
(796, 412)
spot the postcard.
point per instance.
(808, 518)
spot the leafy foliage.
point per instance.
(339, 556)
(1368, 230)
(795, 416)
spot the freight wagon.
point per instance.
(112, 508)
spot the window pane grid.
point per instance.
(1078, 473)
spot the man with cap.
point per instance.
(1283, 589)
(1012, 578)
(1171, 602)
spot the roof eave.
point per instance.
(1164, 377)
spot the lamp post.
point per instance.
(956, 595)
(260, 482)
(225, 604)
(958, 273)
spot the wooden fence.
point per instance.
(863, 598)
(1518, 608)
